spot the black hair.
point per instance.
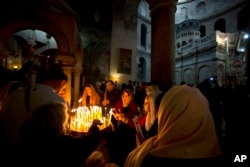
(110, 81)
(53, 73)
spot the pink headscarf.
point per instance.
(185, 128)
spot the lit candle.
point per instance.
(84, 117)
(103, 122)
(110, 116)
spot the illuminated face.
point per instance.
(62, 91)
(146, 104)
(88, 91)
(127, 97)
(109, 86)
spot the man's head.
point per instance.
(54, 77)
(110, 85)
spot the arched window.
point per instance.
(184, 13)
(220, 25)
(202, 31)
(201, 8)
(143, 35)
(142, 67)
(184, 43)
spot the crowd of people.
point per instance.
(149, 127)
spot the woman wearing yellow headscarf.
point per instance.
(186, 133)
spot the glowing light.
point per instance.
(246, 36)
(83, 117)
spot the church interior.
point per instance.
(163, 42)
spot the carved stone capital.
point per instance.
(66, 60)
(155, 4)
(77, 71)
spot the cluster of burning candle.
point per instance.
(84, 116)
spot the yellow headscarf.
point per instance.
(185, 128)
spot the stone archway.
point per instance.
(58, 20)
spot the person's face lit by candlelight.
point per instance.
(88, 91)
(127, 97)
(109, 86)
(146, 104)
(62, 91)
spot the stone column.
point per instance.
(67, 70)
(67, 62)
(77, 74)
(162, 14)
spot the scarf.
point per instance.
(185, 128)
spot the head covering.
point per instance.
(94, 99)
(95, 159)
(152, 93)
(185, 128)
(128, 91)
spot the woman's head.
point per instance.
(48, 120)
(88, 88)
(96, 159)
(127, 96)
(185, 128)
(151, 105)
(184, 119)
(150, 102)
(146, 104)
(152, 88)
(94, 97)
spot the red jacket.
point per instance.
(130, 111)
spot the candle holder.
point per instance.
(82, 118)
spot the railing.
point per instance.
(199, 44)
